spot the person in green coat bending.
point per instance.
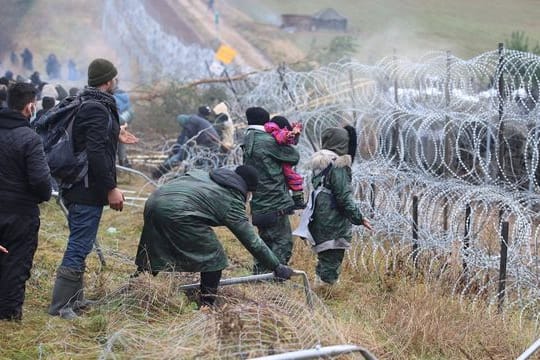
(272, 203)
(331, 210)
(177, 233)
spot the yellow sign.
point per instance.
(225, 54)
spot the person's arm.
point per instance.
(39, 175)
(339, 183)
(237, 221)
(284, 154)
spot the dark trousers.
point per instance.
(19, 235)
(209, 286)
(278, 237)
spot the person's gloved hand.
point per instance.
(283, 272)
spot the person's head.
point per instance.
(204, 111)
(21, 97)
(342, 141)
(102, 74)
(282, 122)
(251, 178)
(73, 91)
(47, 103)
(9, 75)
(257, 116)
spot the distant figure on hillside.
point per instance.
(52, 67)
(27, 59)
(35, 79)
(14, 59)
(73, 72)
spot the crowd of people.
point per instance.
(179, 216)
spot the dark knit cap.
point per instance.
(47, 102)
(257, 116)
(249, 174)
(100, 71)
(204, 111)
(282, 122)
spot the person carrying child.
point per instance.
(286, 135)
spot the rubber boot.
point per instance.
(81, 302)
(67, 287)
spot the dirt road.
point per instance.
(201, 20)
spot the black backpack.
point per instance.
(56, 130)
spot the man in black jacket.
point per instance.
(96, 129)
(24, 182)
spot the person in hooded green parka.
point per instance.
(335, 209)
(272, 203)
(177, 233)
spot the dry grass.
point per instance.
(392, 312)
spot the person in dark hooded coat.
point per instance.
(332, 208)
(178, 219)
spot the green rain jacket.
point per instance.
(263, 153)
(335, 209)
(178, 216)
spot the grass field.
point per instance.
(412, 27)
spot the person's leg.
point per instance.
(209, 287)
(278, 237)
(83, 226)
(329, 265)
(19, 234)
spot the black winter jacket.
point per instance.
(96, 129)
(25, 179)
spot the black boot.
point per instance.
(81, 302)
(67, 289)
(209, 287)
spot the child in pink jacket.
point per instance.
(285, 134)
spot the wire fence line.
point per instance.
(459, 136)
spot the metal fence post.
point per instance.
(415, 229)
(503, 264)
(467, 237)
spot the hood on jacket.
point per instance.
(336, 139)
(50, 91)
(229, 179)
(11, 119)
(322, 158)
